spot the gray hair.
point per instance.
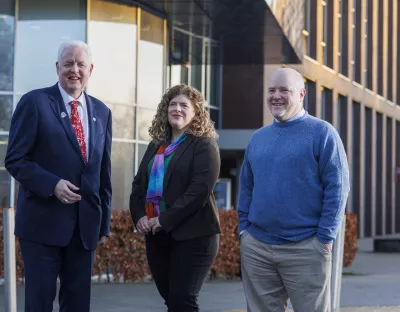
(74, 43)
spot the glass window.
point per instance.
(123, 168)
(141, 151)
(310, 98)
(112, 35)
(214, 115)
(5, 183)
(325, 33)
(42, 27)
(196, 61)
(179, 58)
(123, 120)
(305, 101)
(343, 37)
(3, 149)
(215, 72)
(323, 104)
(369, 44)
(307, 24)
(6, 44)
(144, 119)
(382, 17)
(150, 60)
(312, 24)
(326, 105)
(5, 178)
(342, 119)
(6, 110)
(356, 156)
(179, 47)
(179, 74)
(390, 64)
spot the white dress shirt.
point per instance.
(82, 111)
(297, 116)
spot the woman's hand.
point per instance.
(155, 225)
(143, 225)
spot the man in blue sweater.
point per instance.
(293, 192)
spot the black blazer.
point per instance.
(188, 189)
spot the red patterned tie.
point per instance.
(78, 128)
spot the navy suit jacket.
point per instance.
(43, 149)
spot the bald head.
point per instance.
(286, 93)
(291, 76)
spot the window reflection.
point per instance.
(179, 58)
(196, 61)
(6, 109)
(123, 120)
(144, 119)
(5, 178)
(150, 60)
(179, 74)
(6, 44)
(179, 47)
(42, 27)
(3, 149)
(122, 159)
(214, 115)
(141, 151)
(112, 35)
(215, 72)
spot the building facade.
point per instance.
(345, 49)
(352, 73)
(140, 48)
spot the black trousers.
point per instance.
(43, 264)
(180, 267)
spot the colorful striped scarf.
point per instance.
(156, 179)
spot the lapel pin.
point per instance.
(94, 118)
(63, 115)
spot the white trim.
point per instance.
(310, 59)
(344, 77)
(356, 84)
(370, 91)
(124, 140)
(142, 142)
(329, 69)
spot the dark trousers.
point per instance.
(43, 264)
(180, 267)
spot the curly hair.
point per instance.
(201, 124)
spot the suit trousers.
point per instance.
(180, 267)
(44, 263)
(271, 274)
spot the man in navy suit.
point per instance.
(59, 151)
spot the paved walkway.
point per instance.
(371, 284)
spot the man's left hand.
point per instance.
(155, 225)
(101, 240)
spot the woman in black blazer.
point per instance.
(172, 199)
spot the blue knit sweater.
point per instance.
(294, 182)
